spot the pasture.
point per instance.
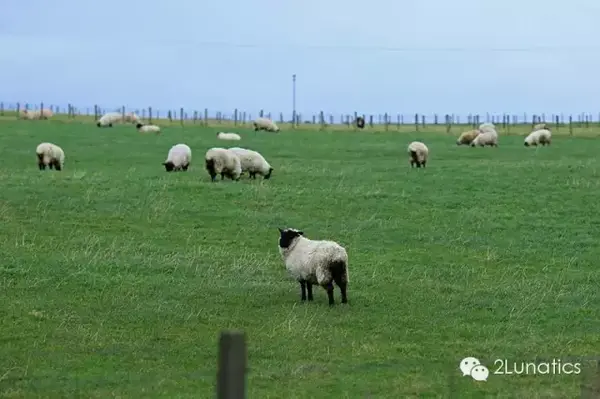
(116, 277)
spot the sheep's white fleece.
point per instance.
(421, 150)
(50, 152)
(224, 161)
(252, 161)
(467, 137)
(539, 126)
(116, 117)
(180, 155)
(149, 129)
(487, 127)
(486, 138)
(228, 136)
(309, 260)
(542, 136)
(265, 124)
(39, 114)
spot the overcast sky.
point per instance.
(426, 56)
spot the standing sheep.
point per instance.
(39, 114)
(467, 137)
(224, 162)
(178, 158)
(147, 128)
(314, 262)
(486, 138)
(418, 154)
(50, 155)
(228, 136)
(265, 124)
(253, 162)
(542, 136)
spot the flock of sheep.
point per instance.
(309, 262)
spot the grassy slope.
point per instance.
(116, 277)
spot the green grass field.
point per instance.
(117, 277)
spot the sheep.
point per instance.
(540, 126)
(418, 154)
(486, 138)
(228, 136)
(487, 127)
(311, 262)
(467, 137)
(253, 162)
(116, 117)
(147, 128)
(224, 162)
(542, 136)
(265, 124)
(37, 114)
(50, 155)
(178, 158)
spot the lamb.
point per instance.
(489, 137)
(253, 162)
(467, 137)
(228, 136)
(50, 155)
(265, 124)
(542, 136)
(147, 128)
(110, 118)
(311, 262)
(178, 158)
(418, 154)
(38, 114)
(224, 162)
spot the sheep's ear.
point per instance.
(280, 230)
(300, 233)
(163, 164)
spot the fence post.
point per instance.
(1, 109)
(417, 122)
(181, 115)
(231, 372)
(570, 125)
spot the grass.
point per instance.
(116, 277)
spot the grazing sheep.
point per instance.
(487, 127)
(110, 118)
(314, 262)
(147, 128)
(253, 162)
(50, 155)
(178, 158)
(467, 137)
(228, 136)
(486, 138)
(39, 114)
(265, 124)
(418, 154)
(542, 136)
(224, 162)
(540, 126)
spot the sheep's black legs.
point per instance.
(329, 288)
(223, 176)
(41, 166)
(340, 282)
(303, 290)
(309, 289)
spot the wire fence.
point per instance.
(419, 121)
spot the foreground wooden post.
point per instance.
(231, 372)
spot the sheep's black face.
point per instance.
(139, 125)
(169, 166)
(287, 236)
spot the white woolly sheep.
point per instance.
(50, 155)
(539, 126)
(314, 262)
(147, 128)
(110, 118)
(487, 127)
(542, 136)
(36, 114)
(418, 154)
(265, 124)
(224, 162)
(467, 137)
(178, 158)
(228, 136)
(253, 162)
(486, 138)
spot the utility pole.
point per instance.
(294, 100)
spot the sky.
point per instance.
(399, 57)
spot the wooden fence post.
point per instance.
(231, 372)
